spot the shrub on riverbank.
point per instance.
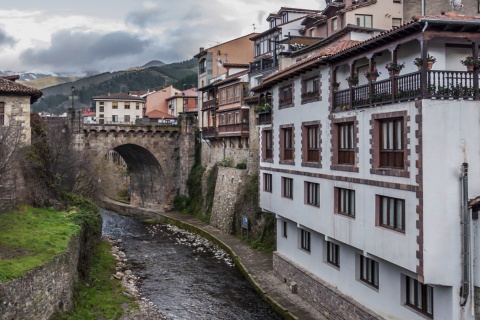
(98, 295)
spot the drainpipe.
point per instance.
(465, 288)
(423, 7)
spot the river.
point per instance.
(183, 275)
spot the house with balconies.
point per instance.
(365, 163)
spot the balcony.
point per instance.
(233, 130)
(209, 132)
(260, 65)
(209, 104)
(264, 118)
(439, 84)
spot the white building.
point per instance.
(365, 181)
(118, 108)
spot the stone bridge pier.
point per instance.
(159, 157)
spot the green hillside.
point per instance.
(178, 74)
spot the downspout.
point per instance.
(465, 288)
(423, 7)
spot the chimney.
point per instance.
(202, 49)
(109, 94)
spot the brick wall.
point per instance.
(228, 188)
(44, 290)
(320, 295)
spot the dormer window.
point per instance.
(285, 17)
(273, 23)
(334, 24)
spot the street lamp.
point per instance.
(73, 107)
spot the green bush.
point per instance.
(180, 202)
(241, 165)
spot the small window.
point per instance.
(101, 109)
(334, 24)
(312, 191)
(313, 144)
(333, 254)
(419, 296)
(310, 89)
(286, 96)
(127, 105)
(345, 203)
(267, 182)
(203, 66)
(287, 188)
(346, 149)
(396, 22)
(101, 103)
(397, 1)
(114, 118)
(2, 113)
(391, 143)
(305, 240)
(287, 143)
(137, 105)
(369, 271)
(364, 20)
(284, 229)
(267, 145)
(114, 105)
(126, 118)
(285, 17)
(392, 213)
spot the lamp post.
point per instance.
(73, 107)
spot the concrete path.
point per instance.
(256, 266)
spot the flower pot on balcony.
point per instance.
(429, 65)
(373, 78)
(394, 72)
(470, 67)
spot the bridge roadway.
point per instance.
(256, 266)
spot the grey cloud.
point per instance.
(5, 39)
(78, 50)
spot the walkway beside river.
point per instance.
(257, 266)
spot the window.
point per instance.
(203, 65)
(334, 24)
(267, 182)
(305, 240)
(346, 151)
(273, 23)
(364, 20)
(102, 109)
(114, 105)
(396, 22)
(391, 143)
(287, 135)
(126, 119)
(419, 296)
(333, 251)
(397, 1)
(345, 202)
(369, 271)
(313, 144)
(285, 17)
(287, 188)
(258, 50)
(114, 118)
(392, 213)
(284, 229)
(137, 106)
(267, 145)
(2, 113)
(127, 105)
(312, 196)
(310, 88)
(286, 96)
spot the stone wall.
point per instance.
(326, 299)
(227, 148)
(44, 290)
(435, 7)
(254, 143)
(228, 189)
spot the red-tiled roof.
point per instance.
(156, 114)
(12, 77)
(360, 5)
(118, 96)
(9, 87)
(231, 78)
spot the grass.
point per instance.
(31, 237)
(98, 296)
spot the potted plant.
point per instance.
(470, 62)
(394, 68)
(352, 80)
(430, 61)
(372, 74)
(335, 86)
(263, 108)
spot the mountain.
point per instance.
(48, 81)
(153, 63)
(177, 74)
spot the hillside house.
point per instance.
(118, 108)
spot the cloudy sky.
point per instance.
(106, 35)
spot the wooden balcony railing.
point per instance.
(233, 129)
(439, 84)
(209, 132)
(208, 104)
(313, 155)
(264, 118)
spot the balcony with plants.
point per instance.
(410, 74)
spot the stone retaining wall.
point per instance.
(228, 189)
(44, 290)
(477, 303)
(323, 297)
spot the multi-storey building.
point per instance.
(184, 102)
(118, 108)
(368, 181)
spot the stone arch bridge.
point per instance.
(158, 156)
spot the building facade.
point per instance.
(366, 177)
(118, 108)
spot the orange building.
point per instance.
(158, 99)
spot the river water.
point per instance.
(183, 275)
